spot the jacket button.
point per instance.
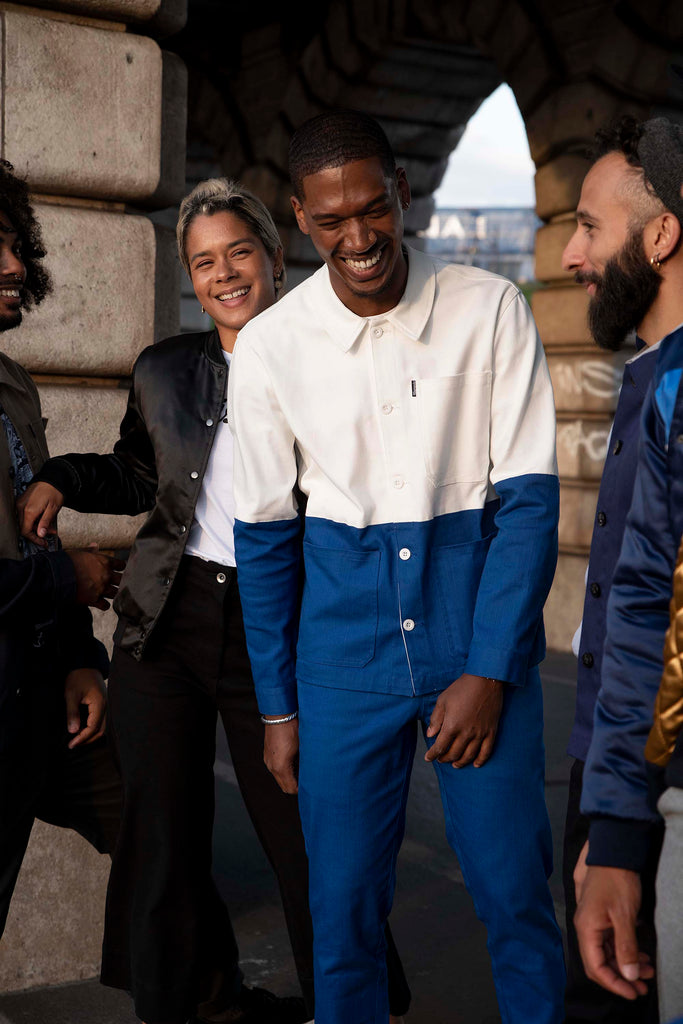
(587, 659)
(602, 518)
(167, 581)
(617, 447)
(138, 650)
(209, 422)
(595, 589)
(182, 529)
(220, 577)
(194, 474)
(408, 625)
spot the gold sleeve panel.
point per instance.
(668, 710)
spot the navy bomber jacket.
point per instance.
(615, 783)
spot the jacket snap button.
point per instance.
(595, 589)
(602, 518)
(618, 446)
(220, 577)
(587, 659)
(194, 474)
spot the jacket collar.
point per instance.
(213, 349)
(410, 315)
(8, 375)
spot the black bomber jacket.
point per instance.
(177, 395)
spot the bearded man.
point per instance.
(607, 255)
(626, 250)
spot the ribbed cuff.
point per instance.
(619, 843)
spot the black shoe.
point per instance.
(258, 1006)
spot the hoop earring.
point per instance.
(655, 261)
(278, 284)
(203, 310)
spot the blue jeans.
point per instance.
(357, 752)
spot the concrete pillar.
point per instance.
(93, 115)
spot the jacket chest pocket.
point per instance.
(454, 424)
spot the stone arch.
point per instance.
(422, 68)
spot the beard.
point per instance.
(625, 291)
(10, 320)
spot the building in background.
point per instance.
(499, 239)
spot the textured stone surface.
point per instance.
(581, 447)
(86, 419)
(561, 314)
(564, 607)
(158, 17)
(577, 513)
(558, 185)
(101, 312)
(587, 381)
(54, 930)
(101, 135)
(550, 244)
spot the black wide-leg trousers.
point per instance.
(168, 938)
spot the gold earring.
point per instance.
(656, 261)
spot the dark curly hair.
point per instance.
(15, 204)
(623, 136)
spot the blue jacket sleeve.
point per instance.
(615, 789)
(508, 626)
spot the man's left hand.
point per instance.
(465, 721)
(85, 686)
(605, 923)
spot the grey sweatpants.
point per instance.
(669, 911)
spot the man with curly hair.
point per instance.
(54, 764)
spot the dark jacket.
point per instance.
(614, 500)
(158, 463)
(615, 784)
(41, 627)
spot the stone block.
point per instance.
(55, 924)
(86, 419)
(114, 275)
(564, 607)
(577, 515)
(586, 381)
(581, 447)
(551, 241)
(561, 314)
(161, 17)
(101, 136)
(171, 187)
(570, 116)
(558, 185)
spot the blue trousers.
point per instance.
(356, 756)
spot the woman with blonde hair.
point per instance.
(180, 656)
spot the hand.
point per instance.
(85, 686)
(97, 575)
(605, 923)
(580, 872)
(37, 510)
(465, 721)
(281, 752)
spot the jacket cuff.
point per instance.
(63, 575)
(60, 473)
(619, 843)
(280, 701)
(506, 665)
(92, 654)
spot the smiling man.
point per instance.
(398, 410)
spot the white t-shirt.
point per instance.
(211, 534)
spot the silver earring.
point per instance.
(203, 310)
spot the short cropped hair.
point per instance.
(335, 138)
(624, 136)
(15, 204)
(216, 195)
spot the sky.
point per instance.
(491, 165)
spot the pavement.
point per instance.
(442, 943)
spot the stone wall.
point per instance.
(93, 114)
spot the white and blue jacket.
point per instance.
(413, 452)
